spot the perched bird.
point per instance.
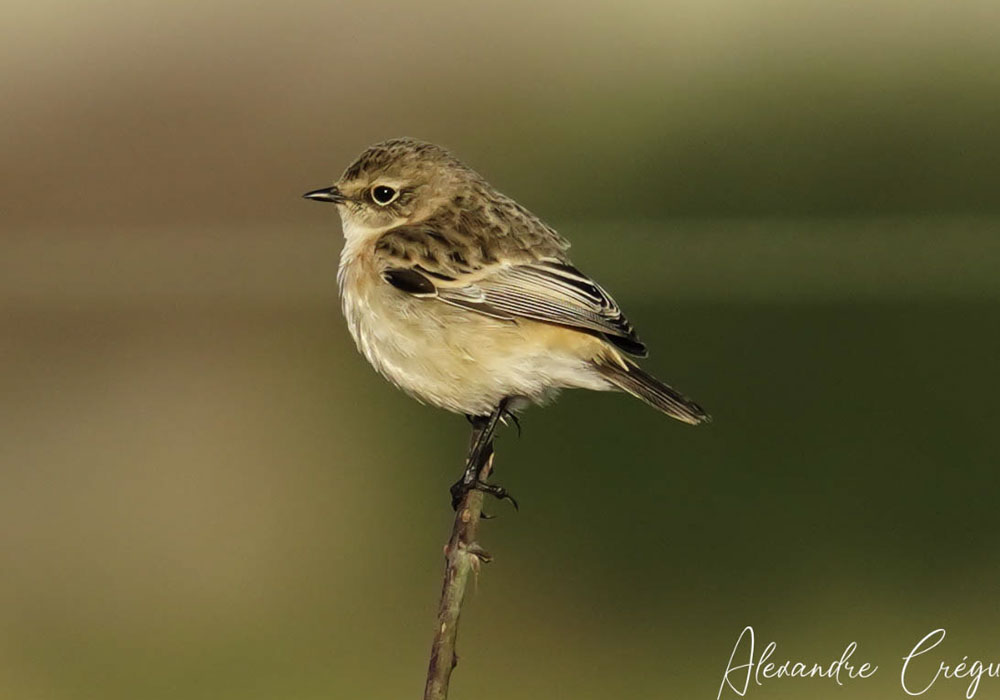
(467, 301)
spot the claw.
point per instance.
(497, 491)
(513, 418)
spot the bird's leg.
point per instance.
(480, 449)
(481, 443)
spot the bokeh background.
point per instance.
(205, 493)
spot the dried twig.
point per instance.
(463, 556)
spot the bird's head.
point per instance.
(396, 183)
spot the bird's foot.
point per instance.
(460, 488)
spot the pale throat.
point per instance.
(356, 230)
(358, 236)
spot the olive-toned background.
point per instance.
(205, 493)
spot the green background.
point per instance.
(205, 492)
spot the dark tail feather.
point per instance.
(645, 386)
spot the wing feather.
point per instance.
(561, 296)
(546, 289)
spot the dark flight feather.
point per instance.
(648, 388)
(410, 281)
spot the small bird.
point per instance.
(467, 301)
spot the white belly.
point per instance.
(457, 359)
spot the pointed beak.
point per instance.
(327, 194)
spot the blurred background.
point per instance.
(205, 492)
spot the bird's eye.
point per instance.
(383, 195)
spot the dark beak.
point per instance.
(327, 194)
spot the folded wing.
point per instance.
(546, 289)
(551, 292)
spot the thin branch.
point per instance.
(463, 555)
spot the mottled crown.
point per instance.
(403, 156)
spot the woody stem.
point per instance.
(463, 556)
